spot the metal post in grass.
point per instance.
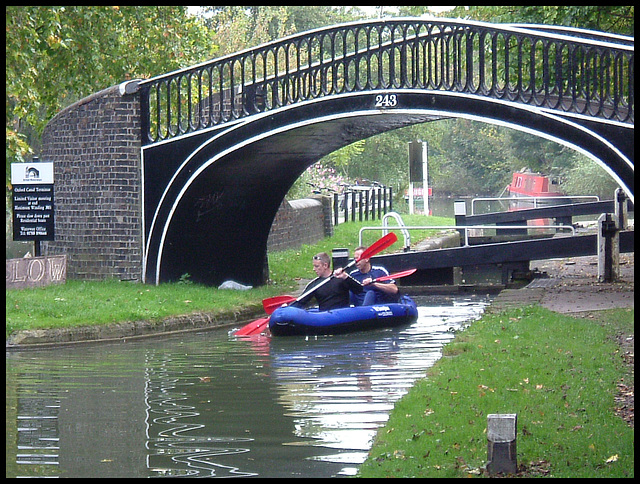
(501, 446)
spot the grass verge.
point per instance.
(82, 303)
(558, 373)
(85, 303)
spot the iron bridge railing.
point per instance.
(576, 71)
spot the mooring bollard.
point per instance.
(501, 446)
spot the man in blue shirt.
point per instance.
(374, 292)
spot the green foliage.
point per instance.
(58, 55)
(317, 179)
(341, 158)
(557, 373)
(467, 158)
(235, 28)
(588, 177)
(605, 18)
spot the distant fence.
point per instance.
(362, 204)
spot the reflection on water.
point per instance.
(208, 404)
(178, 444)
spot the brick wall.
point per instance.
(298, 222)
(95, 147)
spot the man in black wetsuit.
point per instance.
(333, 294)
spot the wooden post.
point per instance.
(501, 447)
(620, 198)
(373, 204)
(353, 206)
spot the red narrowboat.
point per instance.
(533, 190)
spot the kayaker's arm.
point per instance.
(302, 303)
(354, 285)
(386, 287)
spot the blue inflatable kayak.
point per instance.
(288, 321)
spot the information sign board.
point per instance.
(33, 201)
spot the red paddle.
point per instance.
(253, 327)
(270, 304)
(397, 275)
(258, 325)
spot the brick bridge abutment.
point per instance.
(95, 147)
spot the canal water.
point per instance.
(208, 404)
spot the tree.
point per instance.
(587, 177)
(235, 28)
(58, 55)
(605, 18)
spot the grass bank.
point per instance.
(558, 373)
(81, 303)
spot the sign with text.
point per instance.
(33, 201)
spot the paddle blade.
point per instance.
(270, 304)
(254, 327)
(397, 275)
(379, 245)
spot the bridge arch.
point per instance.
(248, 168)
